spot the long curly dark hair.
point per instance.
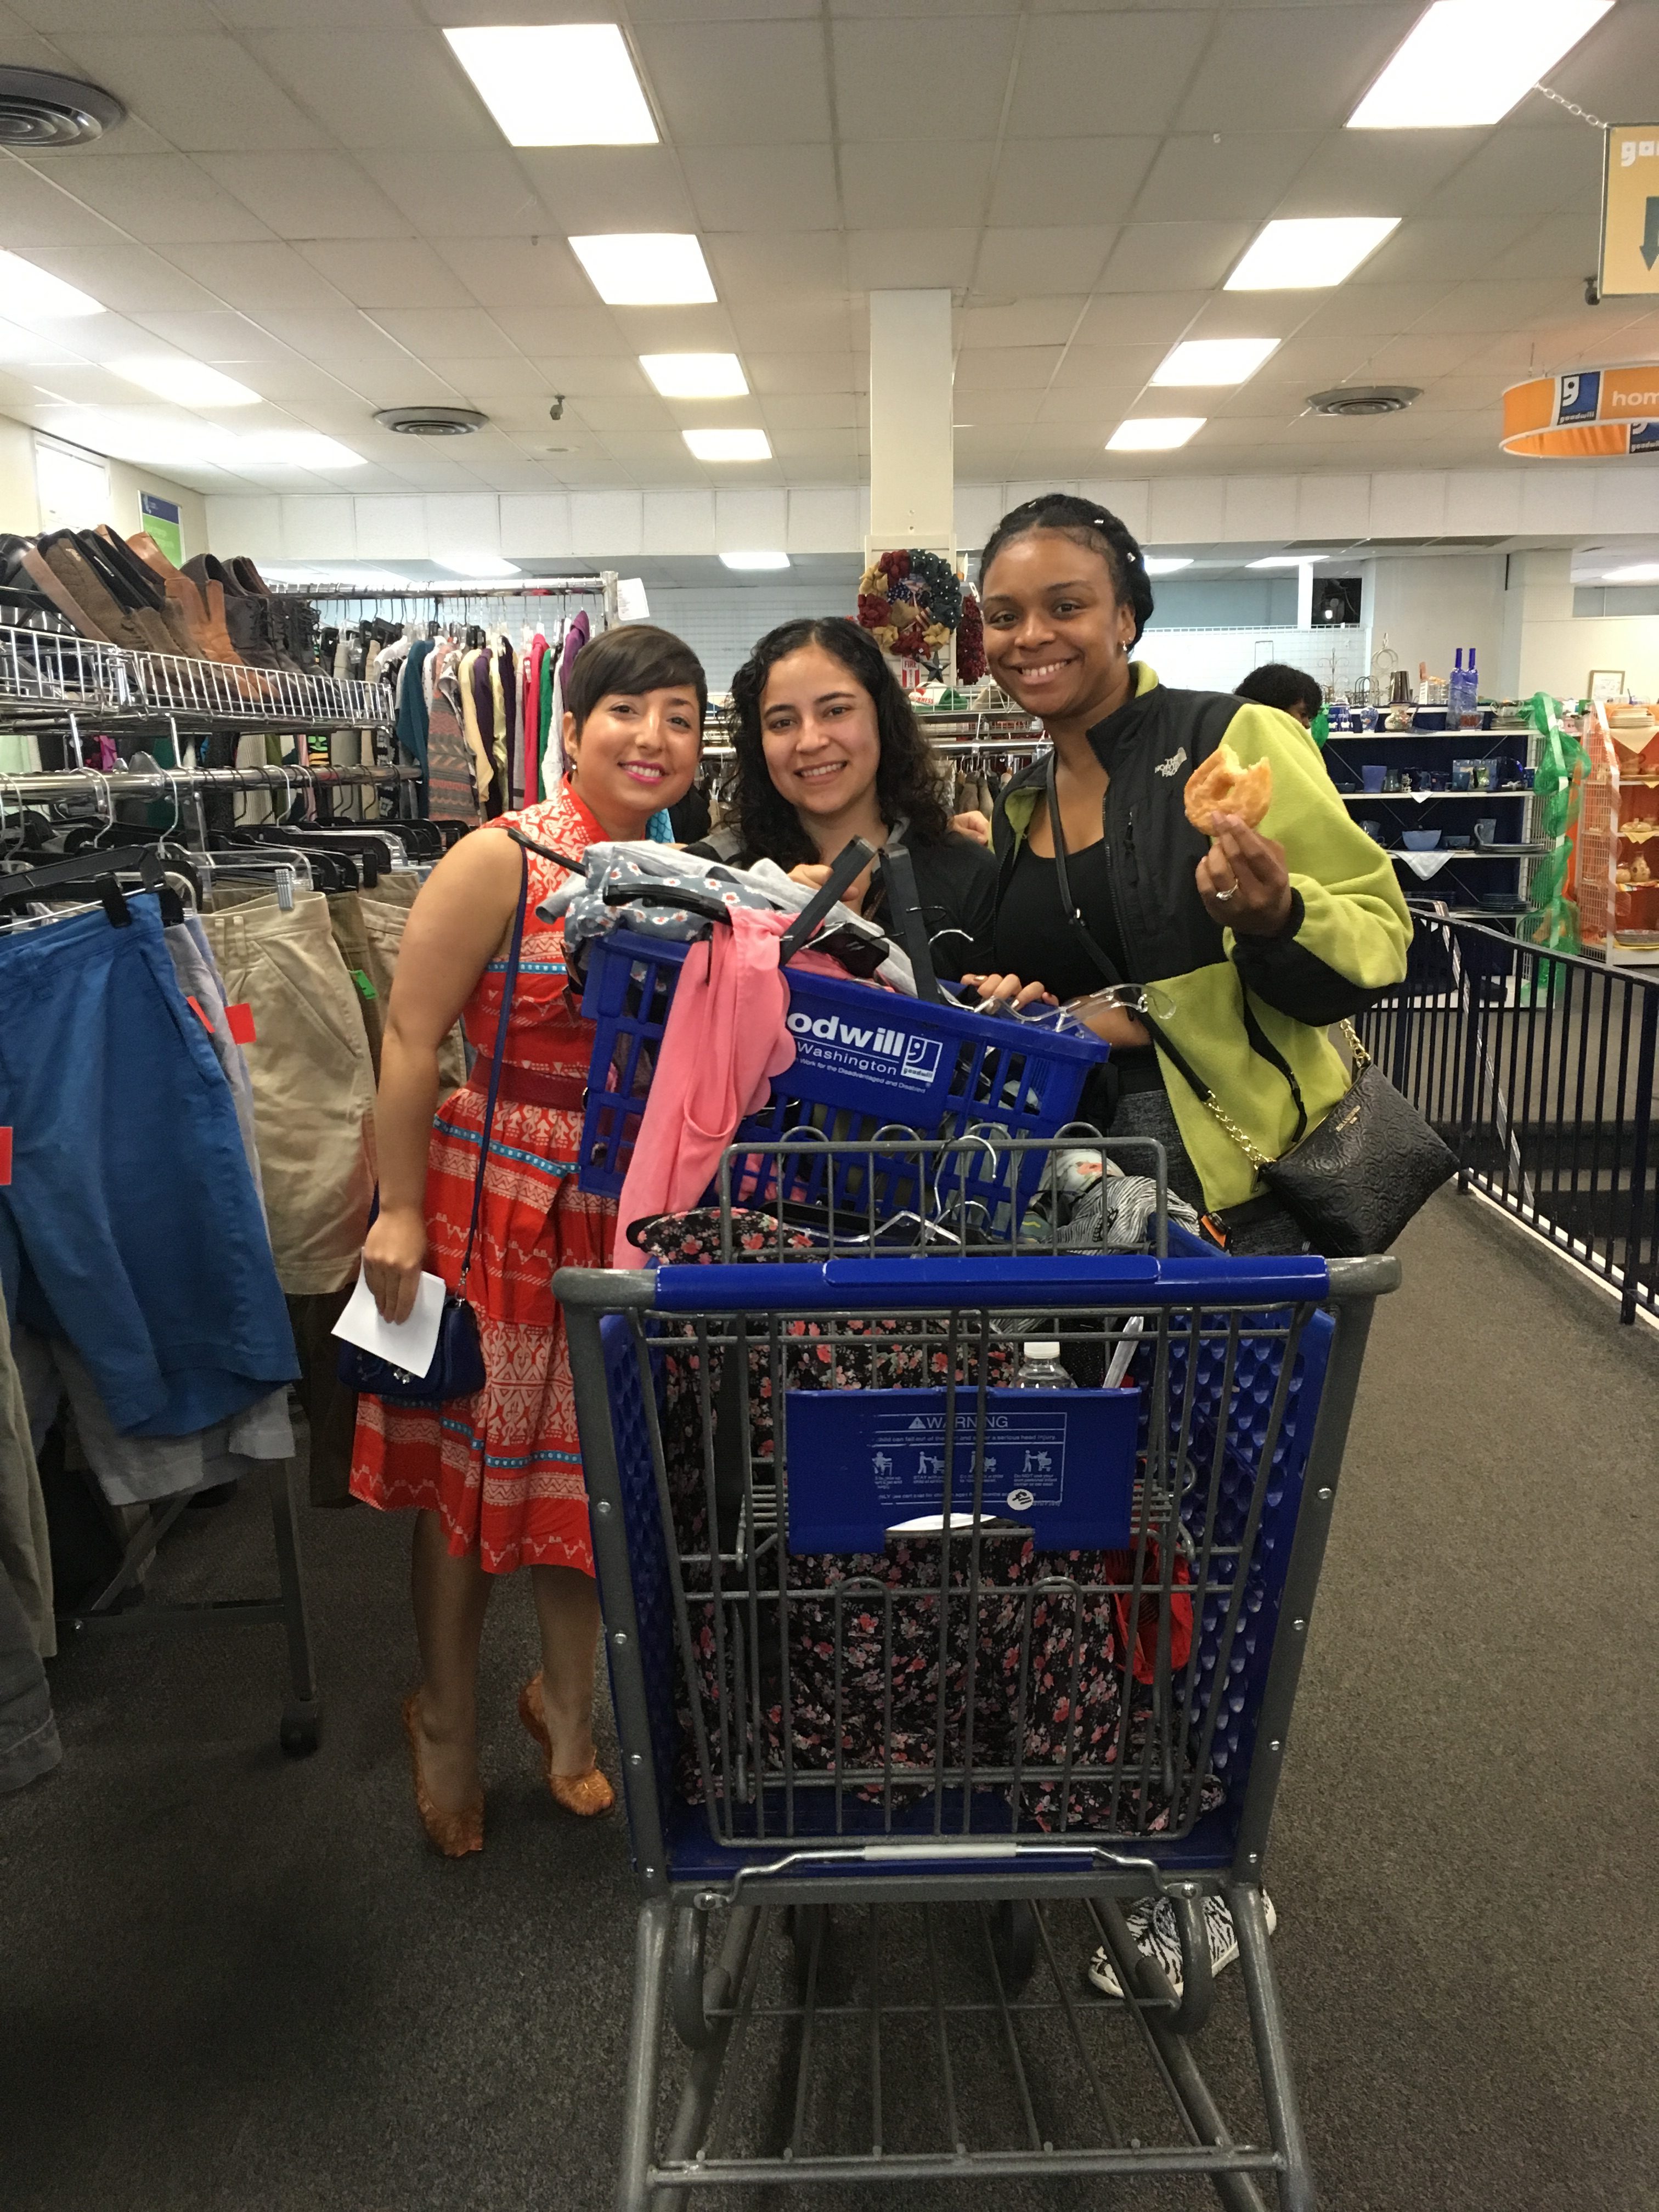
(906, 781)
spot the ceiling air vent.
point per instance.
(431, 422)
(39, 110)
(1351, 399)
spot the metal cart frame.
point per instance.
(758, 1863)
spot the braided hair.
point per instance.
(1086, 524)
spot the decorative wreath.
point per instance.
(910, 602)
(970, 641)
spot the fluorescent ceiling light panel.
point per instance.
(1468, 62)
(756, 560)
(1306, 252)
(1644, 572)
(30, 294)
(1165, 564)
(190, 383)
(728, 445)
(1155, 434)
(696, 375)
(1214, 361)
(646, 268)
(478, 564)
(557, 84)
(1287, 559)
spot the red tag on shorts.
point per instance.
(240, 1019)
(5, 1155)
(194, 1006)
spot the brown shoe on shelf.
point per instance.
(585, 1794)
(41, 573)
(65, 558)
(249, 577)
(187, 608)
(213, 597)
(244, 611)
(143, 581)
(137, 600)
(456, 1834)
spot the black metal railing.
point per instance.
(1538, 1069)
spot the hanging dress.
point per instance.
(503, 1469)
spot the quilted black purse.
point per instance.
(458, 1365)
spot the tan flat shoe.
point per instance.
(584, 1794)
(455, 1834)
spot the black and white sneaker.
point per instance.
(1152, 1923)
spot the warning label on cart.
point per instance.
(859, 1463)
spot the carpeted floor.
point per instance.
(229, 1984)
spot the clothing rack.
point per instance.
(188, 786)
(601, 587)
(46, 673)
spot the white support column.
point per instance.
(911, 463)
(1304, 573)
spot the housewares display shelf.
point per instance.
(49, 672)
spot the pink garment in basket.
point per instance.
(725, 1037)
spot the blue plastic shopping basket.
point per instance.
(866, 1061)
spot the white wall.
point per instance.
(1428, 609)
(20, 508)
(1548, 649)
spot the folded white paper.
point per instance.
(407, 1344)
(1424, 863)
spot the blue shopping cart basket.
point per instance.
(887, 1631)
(866, 1061)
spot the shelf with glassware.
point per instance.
(1416, 802)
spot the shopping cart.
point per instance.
(887, 1633)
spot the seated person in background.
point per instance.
(828, 749)
(1275, 684)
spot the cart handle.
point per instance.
(1010, 1283)
(966, 1851)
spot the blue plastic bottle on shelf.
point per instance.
(1471, 687)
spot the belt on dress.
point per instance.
(534, 1086)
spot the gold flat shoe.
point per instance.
(584, 1794)
(456, 1834)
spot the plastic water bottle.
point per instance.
(1471, 718)
(1040, 1369)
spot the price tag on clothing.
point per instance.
(5, 1155)
(240, 1019)
(194, 1006)
(365, 987)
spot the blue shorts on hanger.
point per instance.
(130, 1225)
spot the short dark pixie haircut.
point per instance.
(637, 656)
(1086, 524)
(1276, 683)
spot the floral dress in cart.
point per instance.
(503, 1469)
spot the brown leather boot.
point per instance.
(88, 591)
(242, 611)
(137, 598)
(41, 573)
(187, 604)
(145, 583)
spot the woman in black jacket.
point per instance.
(828, 750)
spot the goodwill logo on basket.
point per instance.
(881, 1054)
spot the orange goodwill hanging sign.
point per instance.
(1590, 415)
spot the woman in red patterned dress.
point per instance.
(496, 1480)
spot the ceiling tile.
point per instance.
(1000, 368)
(34, 213)
(1024, 263)
(585, 376)
(1209, 175)
(762, 187)
(215, 334)
(983, 412)
(149, 17)
(806, 372)
(1482, 307)
(517, 272)
(798, 326)
(130, 279)
(205, 95)
(1107, 367)
(1426, 246)
(325, 196)
(1365, 309)
(1376, 171)
(909, 79)
(1096, 411)
(738, 84)
(1291, 68)
(1069, 181)
(1138, 318)
(1173, 256)
(950, 191)
(164, 199)
(1038, 321)
(488, 383)
(1563, 246)
(879, 259)
(256, 276)
(350, 82)
(577, 330)
(604, 188)
(460, 194)
(1107, 73)
(466, 334)
(814, 410)
(796, 264)
(1520, 172)
(384, 272)
(675, 330)
(321, 14)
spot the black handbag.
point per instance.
(1352, 1183)
(456, 1370)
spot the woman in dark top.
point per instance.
(828, 750)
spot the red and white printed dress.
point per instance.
(504, 1467)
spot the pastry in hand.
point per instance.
(1220, 785)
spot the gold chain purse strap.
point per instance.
(1246, 1144)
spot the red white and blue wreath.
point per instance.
(911, 603)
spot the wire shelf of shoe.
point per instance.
(44, 671)
(963, 1733)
